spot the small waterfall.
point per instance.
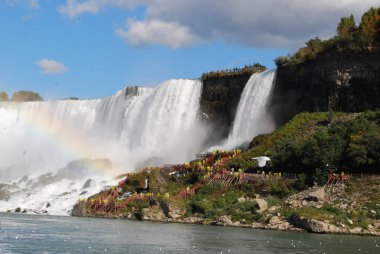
(252, 116)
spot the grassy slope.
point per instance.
(213, 200)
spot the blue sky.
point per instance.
(92, 48)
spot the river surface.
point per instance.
(53, 234)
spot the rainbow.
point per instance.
(66, 137)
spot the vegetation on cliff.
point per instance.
(24, 96)
(246, 70)
(364, 37)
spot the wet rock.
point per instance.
(79, 209)
(18, 210)
(261, 205)
(23, 179)
(87, 184)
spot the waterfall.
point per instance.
(252, 116)
(135, 127)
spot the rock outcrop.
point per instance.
(312, 225)
(5, 194)
(171, 211)
(219, 100)
(153, 213)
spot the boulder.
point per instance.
(274, 220)
(224, 221)
(316, 196)
(172, 211)
(312, 225)
(261, 205)
(241, 199)
(154, 213)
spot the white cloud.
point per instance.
(74, 8)
(51, 67)
(33, 4)
(156, 32)
(258, 23)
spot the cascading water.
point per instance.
(252, 116)
(134, 127)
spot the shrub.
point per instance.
(248, 69)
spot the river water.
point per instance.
(54, 234)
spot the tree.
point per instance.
(370, 25)
(22, 96)
(346, 26)
(4, 96)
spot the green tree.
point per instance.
(370, 25)
(22, 96)
(363, 150)
(346, 26)
(4, 96)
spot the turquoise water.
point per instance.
(53, 234)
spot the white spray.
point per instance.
(135, 127)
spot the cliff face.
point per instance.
(343, 81)
(219, 100)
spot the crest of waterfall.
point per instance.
(252, 116)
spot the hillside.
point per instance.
(228, 188)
